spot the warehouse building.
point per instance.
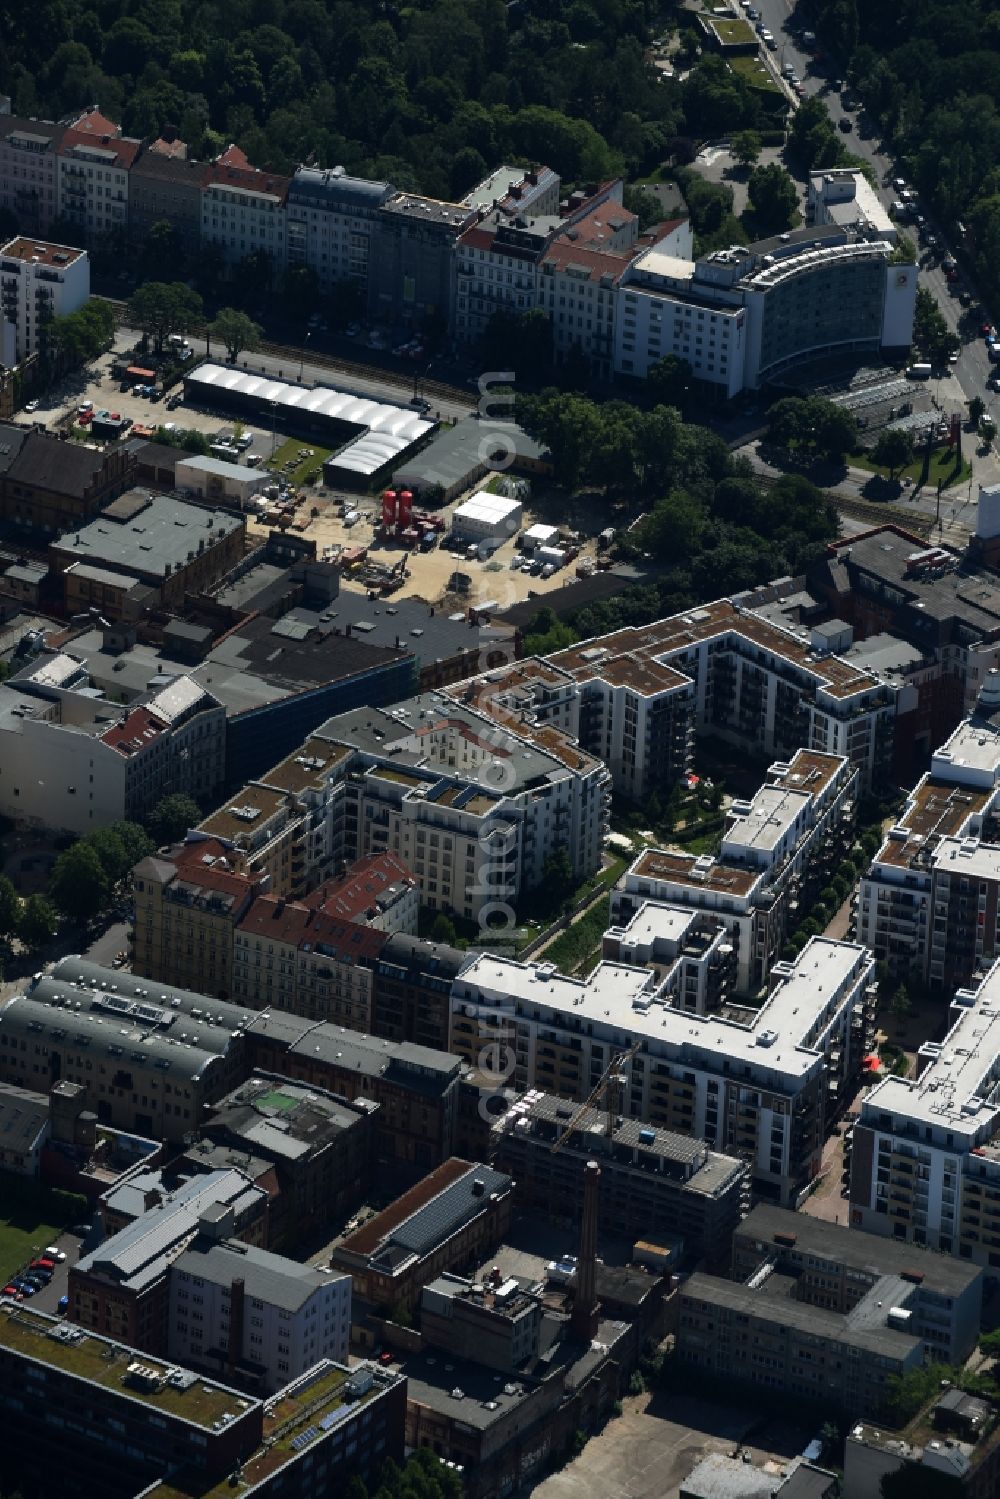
(488, 519)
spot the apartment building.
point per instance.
(453, 1217)
(38, 281)
(411, 998)
(924, 1165)
(743, 315)
(93, 161)
(844, 196)
(171, 547)
(28, 187)
(836, 1268)
(774, 686)
(929, 904)
(243, 210)
(74, 759)
(690, 953)
(188, 903)
(294, 955)
(149, 1060)
(319, 1150)
(764, 1087)
(474, 800)
(379, 893)
(253, 1317)
(328, 223)
(778, 849)
(166, 190)
(121, 1288)
(654, 1182)
(410, 258)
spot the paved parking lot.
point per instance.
(647, 1451)
(47, 1299)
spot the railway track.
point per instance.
(294, 355)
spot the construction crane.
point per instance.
(612, 1081)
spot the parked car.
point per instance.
(31, 405)
(844, 126)
(11, 1290)
(25, 1286)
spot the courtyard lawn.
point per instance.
(941, 467)
(298, 468)
(33, 1216)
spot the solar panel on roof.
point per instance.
(304, 1438)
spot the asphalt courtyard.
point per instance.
(647, 1451)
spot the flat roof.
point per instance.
(157, 540)
(245, 813)
(224, 470)
(102, 1361)
(935, 809)
(429, 1214)
(455, 455)
(785, 1035)
(973, 747)
(774, 810)
(697, 872)
(42, 252)
(843, 1246)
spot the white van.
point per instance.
(919, 372)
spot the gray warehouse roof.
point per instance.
(155, 541)
(458, 455)
(23, 1116)
(419, 1068)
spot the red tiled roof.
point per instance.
(125, 150)
(189, 861)
(295, 923)
(250, 179)
(232, 156)
(134, 732)
(177, 149)
(353, 895)
(563, 253)
(94, 123)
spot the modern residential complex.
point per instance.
(764, 1087)
(777, 850)
(38, 282)
(924, 1164)
(929, 905)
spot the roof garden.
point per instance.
(104, 1363)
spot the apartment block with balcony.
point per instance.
(925, 1158)
(754, 682)
(778, 849)
(38, 282)
(28, 171)
(188, 902)
(764, 1087)
(929, 904)
(328, 223)
(92, 176)
(243, 210)
(653, 1181)
(690, 953)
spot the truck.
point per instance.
(919, 372)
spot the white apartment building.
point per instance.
(691, 955)
(925, 1164)
(243, 210)
(237, 1308)
(73, 760)
(743, 315)
(764, 1087)
(92, 175)
(38, 281)
(778, 848)
(28, 187)
(929, 904)
(328, 222)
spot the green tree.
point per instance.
(172, 818)
(745, 147)
(443, 930)
(835, 429)
(79, 887)
(236, 331)
(670, 380)
(39, 922)
(893, 450)
(977, 410)
(160, 308)
(645, 205)
(900, 1005)
(773, 197)
(10, 907)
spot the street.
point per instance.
(969, 374)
